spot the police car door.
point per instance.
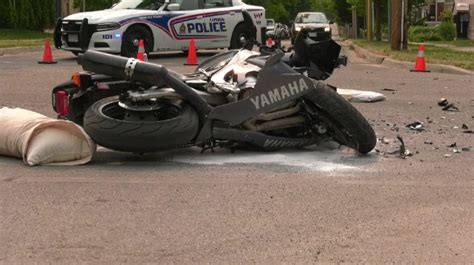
(220, 18)
(208, 22)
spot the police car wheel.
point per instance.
(241, 38)
(131, 37)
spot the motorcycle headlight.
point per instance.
(297, 28)
(327, 29)
(108, 26)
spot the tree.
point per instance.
(92, 5)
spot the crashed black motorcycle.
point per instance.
(269, 100)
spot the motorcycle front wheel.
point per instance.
(344, 122)
(166, 126)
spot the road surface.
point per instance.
(324, 205)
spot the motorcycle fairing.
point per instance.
(277, 84)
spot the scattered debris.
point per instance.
(430, 143)
(384, 140)
(448, 155)
(466, 149)
(416, 126)
(443, 102)
(389, 89)
(450, 107)
(456, 148)
(403, 151)
(469, 131)
(464, 126)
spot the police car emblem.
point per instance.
(182, 29)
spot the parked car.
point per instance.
(316, 24)
(270, 27)
(164, 25)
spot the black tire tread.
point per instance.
(346, 115)
(140, 137)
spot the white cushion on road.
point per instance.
(360, 95)
(40, 140)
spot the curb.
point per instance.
(17, 50)
(389, 62)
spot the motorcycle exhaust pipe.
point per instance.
(147, 73)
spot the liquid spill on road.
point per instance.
(320, 161)
(325, 157)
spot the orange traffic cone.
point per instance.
(141, 51)
(420, 65)
(47, 54)
(192, 57)
(269, 42)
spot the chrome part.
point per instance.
(150, 105)
(274, 125)
(130, 67)
(279, 119)
(137, 96)
(279, 114)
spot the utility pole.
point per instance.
(396, 21)
(389, 15)
(58, 9)
(354, 23)
(83, 5)
(370, 36)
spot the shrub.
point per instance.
(422, 34)
(446, 30)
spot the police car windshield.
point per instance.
(311, 18)
(139, 4)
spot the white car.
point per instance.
(164, 25)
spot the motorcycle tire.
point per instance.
(113, 132)
(345, 123)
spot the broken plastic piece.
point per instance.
(416, 126)
(403, 151)
(450, 107)
(443, 102)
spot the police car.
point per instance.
(164, 25)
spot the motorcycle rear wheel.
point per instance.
(105, 121)
(345, 123)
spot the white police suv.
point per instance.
(164, 25)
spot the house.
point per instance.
(67, 8)
(463, 11)
(463, 14)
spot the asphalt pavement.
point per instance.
(327, 204)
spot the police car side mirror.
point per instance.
(173, 7)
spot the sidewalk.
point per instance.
(358, 54)
(444, 45)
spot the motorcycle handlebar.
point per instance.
(147, 73)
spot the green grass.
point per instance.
(455, 43)
(436, 55)
(22, 38)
